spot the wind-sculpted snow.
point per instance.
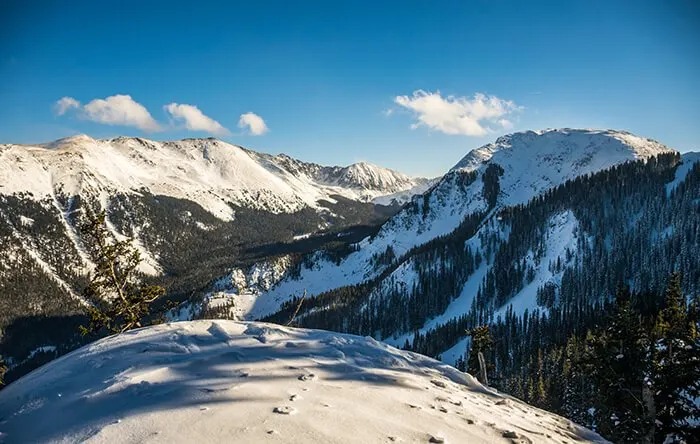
(225, 381)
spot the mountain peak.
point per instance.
(78, 139)
(367, 176)
(562, 145)
(363, 164)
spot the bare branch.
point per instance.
(296, 311)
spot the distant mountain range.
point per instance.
(213, 173)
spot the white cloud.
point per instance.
(194, 119)
(505, 123)
(120, 110)
(458, 115)
(255, 124)
(64, 104)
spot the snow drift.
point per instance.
(224, 381)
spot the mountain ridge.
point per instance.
(209, 171)
(640, 146)
(503, 178)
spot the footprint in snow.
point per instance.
(294, 397)
(437, 439)
(438, 383)
(307, 377)
(285, 410)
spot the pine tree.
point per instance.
(676, 366)
(540, 391)
(120, 302)
(481, 343)
(577, 388)
(616, 362)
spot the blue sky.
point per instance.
(409, 85)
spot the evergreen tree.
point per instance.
(577, 387)
(616, 362)
(481, 343)
(540, 398)
(676, 366)
(120, 302)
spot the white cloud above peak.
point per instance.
(194, 119)
(119, 109)
(458, 115)
(64, 104)
(253, 123)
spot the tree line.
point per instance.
(631, 371)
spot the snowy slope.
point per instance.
(207, 171)
(224, 381)
(401, 197)
(688, 161)
(561, 233)
(532, 161)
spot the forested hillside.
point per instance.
(543, 276)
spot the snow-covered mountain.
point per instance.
(218, 381)
(534, 161)
(210, 172)
(194, 208)
(366, 181)
(518, 167)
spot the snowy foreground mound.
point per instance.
(225, 381)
